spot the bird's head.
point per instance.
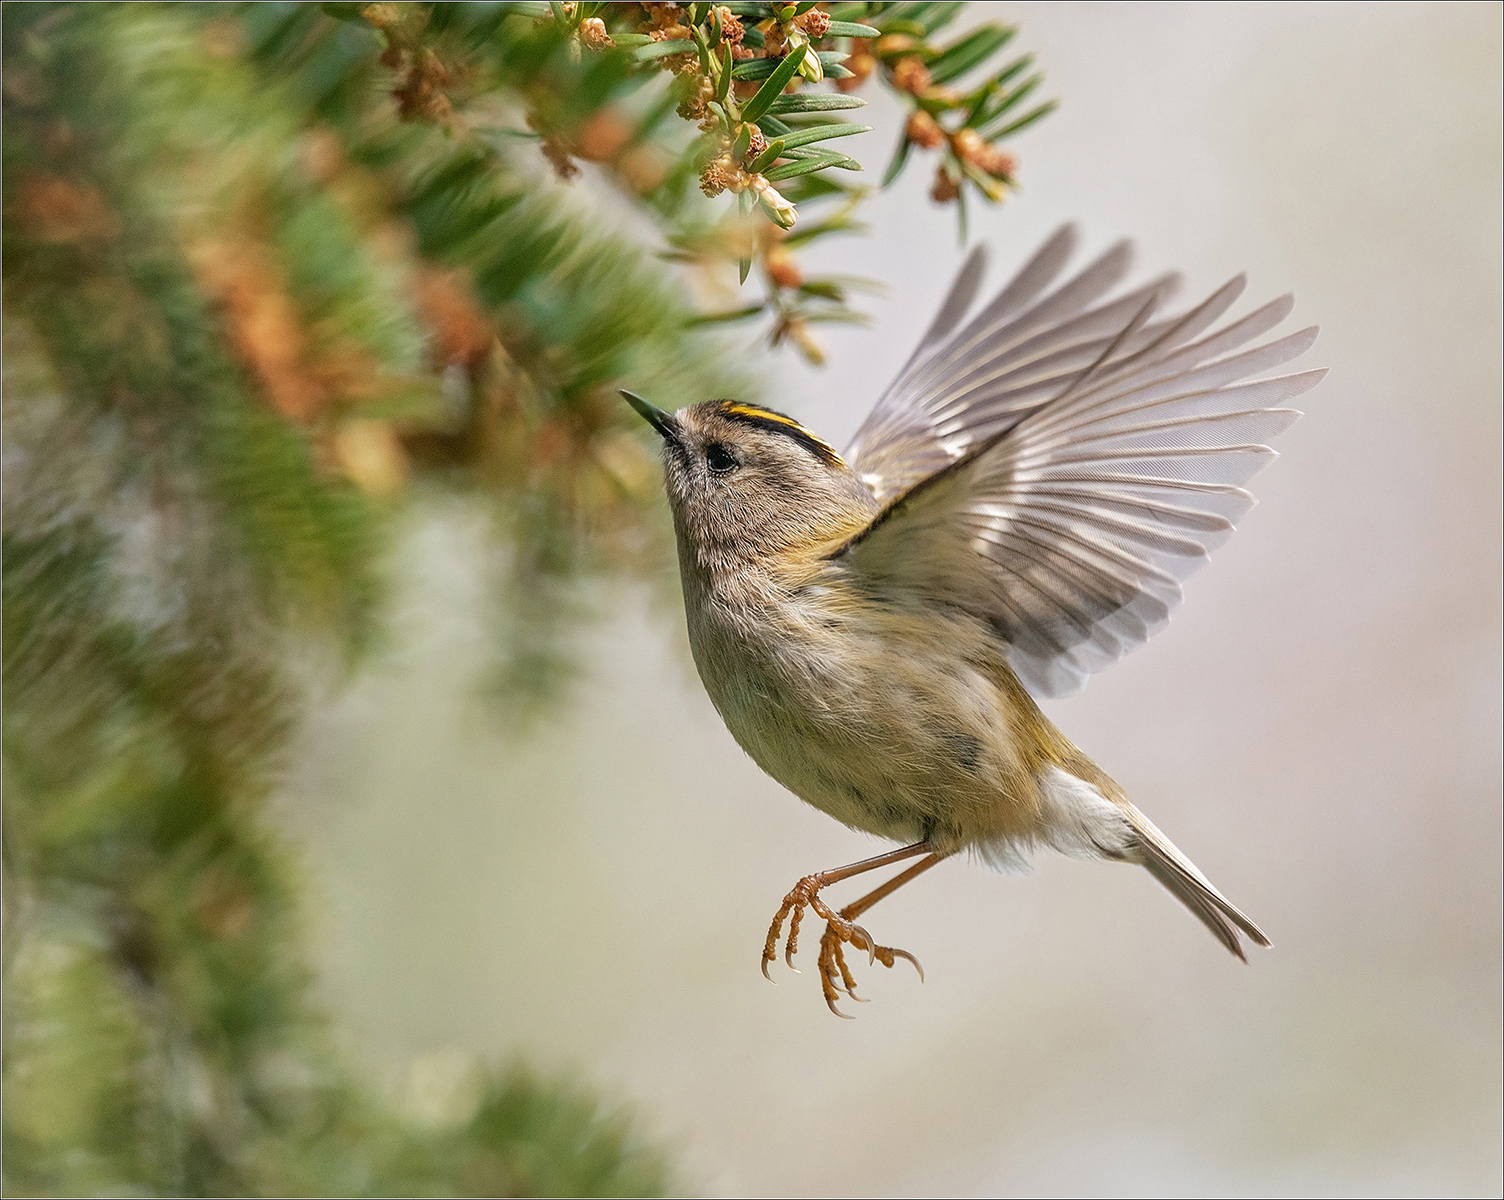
(747, 484)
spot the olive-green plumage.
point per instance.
(1017, 512)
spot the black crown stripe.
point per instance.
(777, 422)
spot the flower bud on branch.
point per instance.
(777, 208)
(593, 35)
(781, 268)
(911, 75)
(945, 189)
(923, 130)
(815, 22)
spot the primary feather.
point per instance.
(1058, 469)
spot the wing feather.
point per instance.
(1061, 463)
(1042, 363)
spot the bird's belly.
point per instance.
(873, 731)
(822, 757)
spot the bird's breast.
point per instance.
(885, 719)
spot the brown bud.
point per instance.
(923, 130)
(893, 43)
(643, 167)
(603, 136)
(998, 163)
(946, 189)
(732, 29)
(860, 65)
(715, 178)
(593, 34)
(968, 145)
(757, 144)
(420, 95)
(692, 108)
(679, 64)
(911, 75)
(557, 153)
(782, 269)
(663, 15)
(446, 301)
(814, 22)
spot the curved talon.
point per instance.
(871, 943)
(832, 961)
(835, 976)
(848, 988)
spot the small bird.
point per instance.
(1017, 511)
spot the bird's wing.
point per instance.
(962, 387)
(1068, 519)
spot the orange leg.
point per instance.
(832, 959)
(839, 927)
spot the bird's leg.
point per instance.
(806, 895)
(832, 959)
(837, 925)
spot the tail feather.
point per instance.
(1182, 880)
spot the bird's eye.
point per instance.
(720, 460)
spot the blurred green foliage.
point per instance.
(269, 272)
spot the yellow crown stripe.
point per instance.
(751, 410)
(763, 414)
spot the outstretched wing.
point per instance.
(960, 388)
(1072, 465)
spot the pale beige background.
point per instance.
(1319, 728)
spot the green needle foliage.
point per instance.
(270, 272)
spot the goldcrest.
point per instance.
(1018, 511)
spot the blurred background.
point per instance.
(471, 830)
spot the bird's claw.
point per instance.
(835, 976)
(833, 969)
(907, 955)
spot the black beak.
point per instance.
(663, 422)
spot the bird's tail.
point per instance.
(1188, 885)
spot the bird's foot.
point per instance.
(839, 929)
(834, 973)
